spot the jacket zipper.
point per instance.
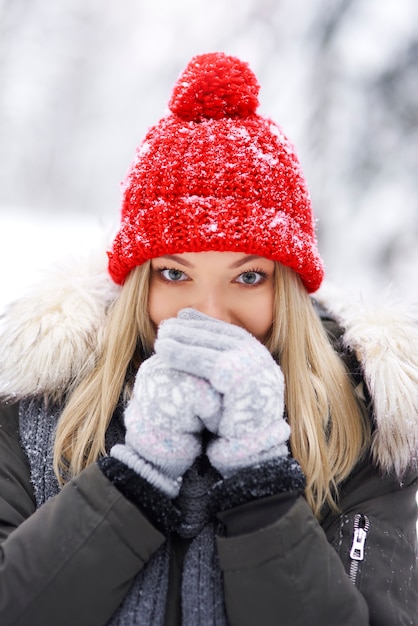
(361, 529)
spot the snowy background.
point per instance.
(82, 80)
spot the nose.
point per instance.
(214, 304)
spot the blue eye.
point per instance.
(251, 278)
(173, 275)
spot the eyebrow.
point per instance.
(177, 259)
(239, 263)
(243, 261)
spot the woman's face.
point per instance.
(230, 286)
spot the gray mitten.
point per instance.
(163, 423)
(251, 428)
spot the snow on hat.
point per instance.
(214, 175)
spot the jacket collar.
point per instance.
(384, 339)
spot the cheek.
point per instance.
(257, 315)
(162, 305)
(154, 309)
(157, 306)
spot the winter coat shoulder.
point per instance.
(355, 567)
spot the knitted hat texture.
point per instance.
(214, 175)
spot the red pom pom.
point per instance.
(214, 86)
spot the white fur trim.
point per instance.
(385, 341)
(53, 331)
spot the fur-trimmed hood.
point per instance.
(55, 331)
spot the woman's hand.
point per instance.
(251, 427)
(163, 423)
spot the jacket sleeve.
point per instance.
(293, 571)
(71, 561)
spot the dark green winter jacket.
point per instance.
(71, 562)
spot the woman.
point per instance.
(194, 439)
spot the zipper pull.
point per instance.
(357, 547)
(361, 528)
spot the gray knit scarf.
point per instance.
(145, 603)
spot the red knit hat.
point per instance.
(214, 175)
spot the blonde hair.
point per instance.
(329, 432)
(329, 429)
(129, 334)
